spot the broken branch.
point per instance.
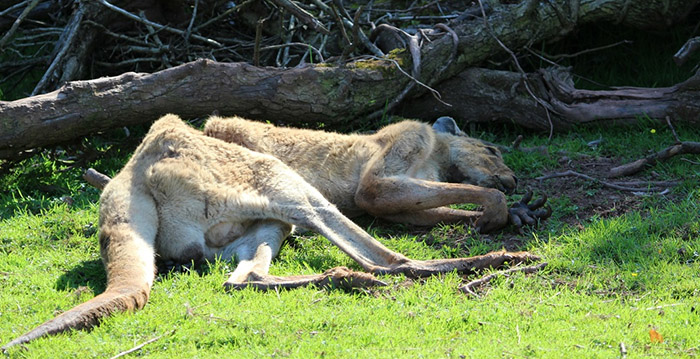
(138, 347)
(65, 41)
(686, 50)
(95, 178)
(665, 154)
(469, 287)
(155, 24)
(606, 184)
(17, 22)
(302, 15)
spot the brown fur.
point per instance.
(400, 173)
(187, 197)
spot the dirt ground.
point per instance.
(589, 197)
(583, 199)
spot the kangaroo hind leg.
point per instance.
(255, 250)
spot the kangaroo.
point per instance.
(406, 172)
(186, 197)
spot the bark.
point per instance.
(479, 95)
(663, 155)
(302, 95)
(332, 95)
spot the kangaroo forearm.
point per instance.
(392, 195)
(433, 216)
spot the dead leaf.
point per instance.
(655, 336)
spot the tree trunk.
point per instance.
(478, 95)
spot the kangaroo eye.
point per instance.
(493, 151)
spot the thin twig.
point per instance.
(280, 46)
(31, 45)
(589, 178)
(690, 161)
(107, 32)
(400, 97)
(411, 9)
(302, 15)
(258, 38)
(66, 40)
(39, 35)
(623, 351)
(350, 24)
(541, 57)
(664, 306)
(189, 27)
(138, 347)
(13, 8)
(17, 22)
(322, 5)
(149, 50)
(25, 62)
(223, 14)
(355, 35)
(155, 24)
(128, 62)
(426, 17)
(515, 146)
(469, 287)
(586, 51)
(516, 143)
(647, 183)
(520, 69)
(411, 41)
(342, 28)
(287, 37)
(152, 32)
(673, 130)
(22, 71)
(414, 48)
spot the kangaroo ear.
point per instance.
(446, 124)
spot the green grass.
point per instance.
(607, 283)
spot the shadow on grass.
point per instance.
(655, 248)
(89, 274)
(92, 274)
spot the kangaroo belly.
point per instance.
(224, 233)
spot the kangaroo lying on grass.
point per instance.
(187, 197)
(407, 172)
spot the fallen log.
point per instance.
(346, 94)
(479, 95)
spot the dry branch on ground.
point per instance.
(668, 152)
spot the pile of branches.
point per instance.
(312, 61)
(64, 40)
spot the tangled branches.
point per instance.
(58, 41)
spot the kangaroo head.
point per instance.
(473, 161)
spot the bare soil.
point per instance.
(586, 199)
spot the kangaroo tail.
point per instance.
(128, 226)
(88, 314)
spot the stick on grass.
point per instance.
(469, 287)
